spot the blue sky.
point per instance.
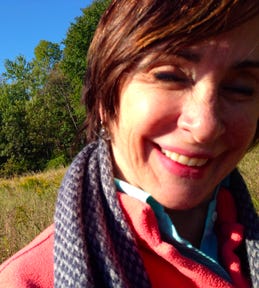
(23, 23)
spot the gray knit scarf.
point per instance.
(94, 246)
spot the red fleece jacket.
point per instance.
(166, 267)
(32, 266)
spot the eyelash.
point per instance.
(242, 90)
(173, 79)
(168, 77)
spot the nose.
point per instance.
(201, 116)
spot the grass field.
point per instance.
(249, 168)
(27, 207)
(27, 203)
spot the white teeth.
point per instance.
(185, 160)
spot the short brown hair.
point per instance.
(130, 29)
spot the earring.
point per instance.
(104, 133)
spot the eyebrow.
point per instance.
(189, 56)
(196, 58)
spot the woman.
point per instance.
(172, 99)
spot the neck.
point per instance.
(190, 223)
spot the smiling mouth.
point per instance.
(185, 160)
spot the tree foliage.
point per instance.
(40, 112)
(78, 39)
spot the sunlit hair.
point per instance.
(132, 29)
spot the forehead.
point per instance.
(238, 44)
(227, 50)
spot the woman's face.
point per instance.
(186, 121)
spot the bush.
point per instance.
(12, 167)
(57, 162)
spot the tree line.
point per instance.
(40, 111)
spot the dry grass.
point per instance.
(249, 167)
(27, 207)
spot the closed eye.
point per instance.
(170, 77)
(242, 90)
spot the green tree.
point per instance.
(76, 44)
(17, 70)
(47, 55)
(14, 129)
(77, 41)
(23, 146)
(54, 125)
(40, 112)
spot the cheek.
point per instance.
(139, 109)
(241, 129)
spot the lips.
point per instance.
(184, 160)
